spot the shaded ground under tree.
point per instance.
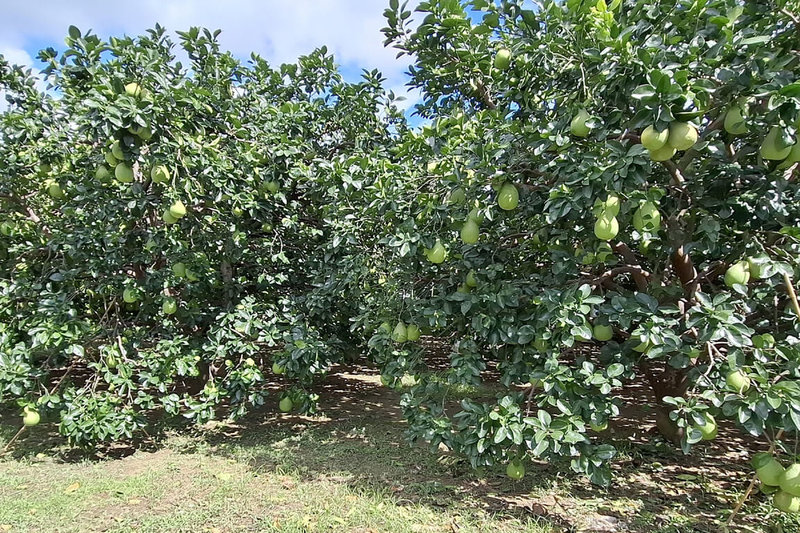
(357, 444)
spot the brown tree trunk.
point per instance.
(666, 381)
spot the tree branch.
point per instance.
(483, 92)
(638, 276)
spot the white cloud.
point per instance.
(279, 30)
(15, 56)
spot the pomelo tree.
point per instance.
(170, 232)
(631, 170)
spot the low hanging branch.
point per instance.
(486, 98)
(23, 428)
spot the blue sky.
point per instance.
(279, 30)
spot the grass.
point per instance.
(352, 471)
(297, 482)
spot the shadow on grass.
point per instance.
(358, 440)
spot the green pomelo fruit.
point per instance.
(508, 197)
(737, 274)
(117, 152)
(476, 215)
(457, 196)
(515, 470)
(159, 174)
(470, 232)
(102, 174)
(177, 210)
(170, 306)
(653, 139)
(285, 405)
(436, 254)
(709, 429)
(133, 89)
(602, 332)
(738, 381)
(790, 480)
(606, 228)
(55, 191)
(611, 205)
(502, 60)
(400, 333)
(682, 135)
(768, 469)
(124, 173)
(179, 269)
(664, 153)
(773, 147)
(30, 418)
(785, 502)
(647, 218)
(734, 121)
(578, 125)
(130, 295)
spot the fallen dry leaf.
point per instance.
(72, 488)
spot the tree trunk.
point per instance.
(666, 381)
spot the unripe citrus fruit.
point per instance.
(470, 232)
(682, 135)
(502, 60)
(508, 197)
(653, 139)
(578, 125)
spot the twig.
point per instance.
(709, 347)
(530, 399)
(792, 16)
(486, 98)
(675, 172)
(790, 288)
(9, 443)
(22, 429)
